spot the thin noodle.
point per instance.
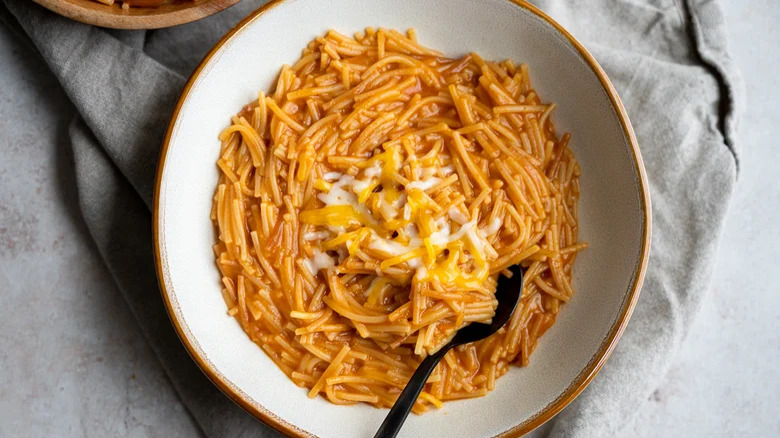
(367, 205)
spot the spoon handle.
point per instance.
(397, 415)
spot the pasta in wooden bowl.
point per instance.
(367, 205)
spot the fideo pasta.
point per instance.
(367, 204)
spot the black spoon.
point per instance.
(508, 294)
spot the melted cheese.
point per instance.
(332, 176)
(319, 261)
(374, 171)
(428, 172)
(316, 235)
(387, 247)
(337, 195)
(493, 228)
(420, 239)
(341, 206)
(457, 216)
(424, 184)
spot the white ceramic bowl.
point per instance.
(614, 210)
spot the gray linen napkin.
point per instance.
(667, 59)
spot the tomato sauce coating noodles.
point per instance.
(367, 205)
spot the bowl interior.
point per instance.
(613, 210)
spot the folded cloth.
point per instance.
(667, 59)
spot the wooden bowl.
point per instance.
(113, 16)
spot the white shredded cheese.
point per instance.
(428, 172)
(344, 191)
(424, 184)
(400, 202)
(331, 176)
(493, 228)
(319, 260)
(386, 209)
(441, 236)
(470, 230)
(337, 195)
(480, 243)
(457, 216)
(414, 263)
(410, 230)
(361, 184)
(421, 274)
(476, 239)
(389, 247)
(315, 235)
(373, 171)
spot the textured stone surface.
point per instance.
(75, 364)
(73, 361)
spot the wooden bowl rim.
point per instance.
(136, 18)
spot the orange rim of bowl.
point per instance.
(583, 378)
(150, 18)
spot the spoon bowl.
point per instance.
(508, 293)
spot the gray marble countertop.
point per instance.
(74, 362)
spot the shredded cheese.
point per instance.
(319, 261)
(424, 184)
